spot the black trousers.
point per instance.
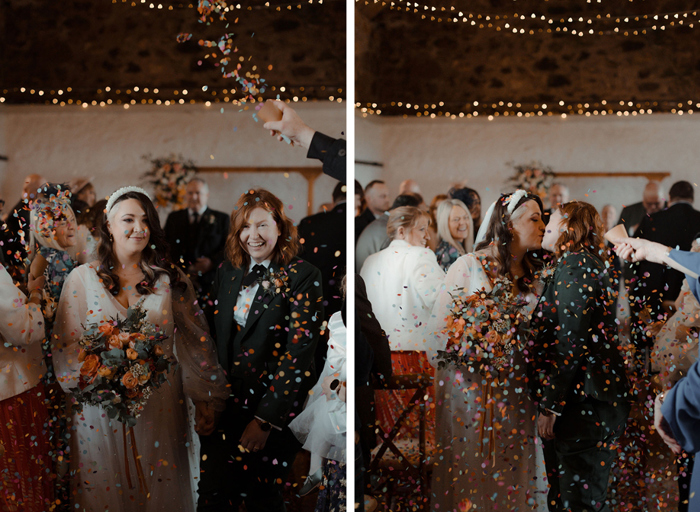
(230, 477)
(580, 457)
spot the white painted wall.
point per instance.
(108, 143)
(438, 152)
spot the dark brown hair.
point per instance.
(583, 229)
(287, 245)
(154, 257)
(499, 232)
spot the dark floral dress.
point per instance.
(331, 497)
(446, 254)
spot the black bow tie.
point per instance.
(255, 274)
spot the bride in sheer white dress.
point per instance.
(467, 475)
(163, 434)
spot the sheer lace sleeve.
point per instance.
(67, 330)
(466, 273)
(202, 377)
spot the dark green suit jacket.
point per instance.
(576, 352)
(269, 361)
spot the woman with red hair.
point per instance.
(266, 323)
(578, 371)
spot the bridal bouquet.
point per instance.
(122, 362)
(483, 330)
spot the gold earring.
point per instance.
(111, 238)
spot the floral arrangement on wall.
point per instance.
(533, 177)
(169, 177)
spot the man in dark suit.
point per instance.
(653, 200)
(675, 227)
(197, 236)
(322, 238)
(377, 198)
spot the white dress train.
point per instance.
(465, 475)
(163, 434)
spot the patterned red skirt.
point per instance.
(26, 479)
(390, 404)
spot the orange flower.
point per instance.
(136, 336)
(81, 355)
(114, 342)
(131, 354)
(90, 365)
(143, 379)
(493, 338)
(107, 329)
(129, 380)
(105, 371)
(158, 350)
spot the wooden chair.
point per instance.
(398, 470)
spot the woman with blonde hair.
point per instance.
(455, 229)
(403, 282)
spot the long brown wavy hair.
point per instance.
(583, 229)
(154, 258)
(499, 232)
(287, 246)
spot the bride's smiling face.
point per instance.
(528, 228)
(128, 225)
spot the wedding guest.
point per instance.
(402, 282)
(322, 424)
(557, 194)
(656, 286)
(17, 221)
(330, 151)
(359, 199)
(608, 214)
(26, 480)
(470, 472)
(454, 226)
(653, 200)
(377, 199)
(409, 187)
(472, 200)
(322, 239)
(89, 220)
(267, 324)
(197, 235)
(133, 269)
(374, 237)
(52, 229)
(83, 190)
(676, 412)
(578, 370)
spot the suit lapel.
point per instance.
(260, 304)
(228, 295)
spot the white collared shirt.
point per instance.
(247, 296)
(191, 213)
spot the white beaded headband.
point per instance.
(124, 190)
(513, 200)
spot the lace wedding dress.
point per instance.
(467, 475)
(163, 435)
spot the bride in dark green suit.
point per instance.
(578, 369)
(266, 321)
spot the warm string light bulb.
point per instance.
(154, 96)
(515, 109)
(579, 26)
